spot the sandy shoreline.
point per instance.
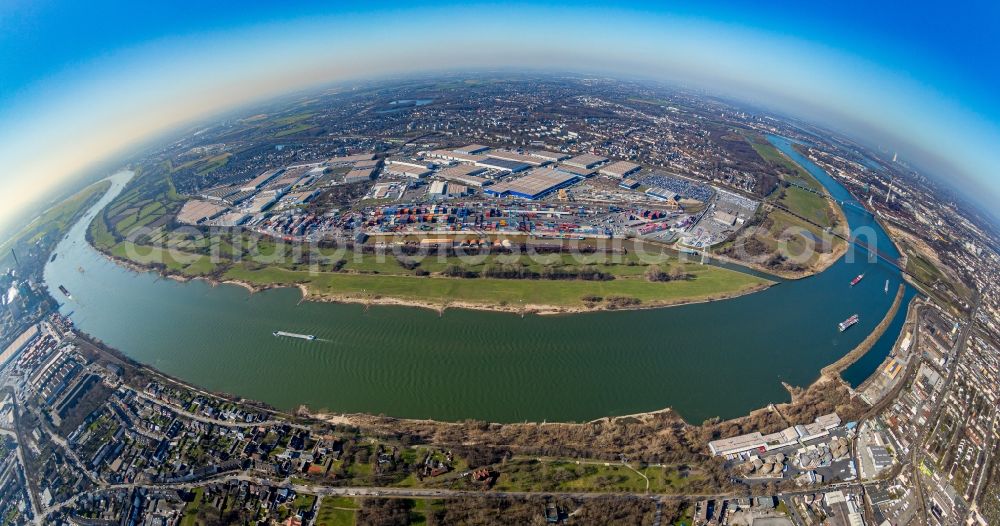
(370, 420)
(539, 309)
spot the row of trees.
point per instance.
(655, 273)
(519, 271)
(487, 509)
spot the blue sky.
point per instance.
(87, 79)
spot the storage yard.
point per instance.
(479, 189)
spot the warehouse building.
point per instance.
(550, 156)
(195, 212)
(534, 185)
(437, 188)
(261, 180)
(472, 149)
(461, 170)
(737, 444)
(468, 180)
(576, 170)
(819, 428)
(406, 170)
(587, 161)
(349, 159)
(450, 155)
(619, 169)
(358, 175)
(408, 162)
(503, 165)
(880, 457)
(518, 157)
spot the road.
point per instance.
(215, 421)
(918, 447)
(421, 493)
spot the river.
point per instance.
(723, 358)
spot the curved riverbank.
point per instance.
(835, 368)
(460, 363)
(376, 298)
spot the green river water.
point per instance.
(722, 358)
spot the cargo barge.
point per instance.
(844, 325)
(279, 334)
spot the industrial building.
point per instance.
(629, 183)
(663, 193)
(503, 165)
(261, 180)
(880, 457)
(358, 175)
(450, 155)
(26, 338)
(301, 198)
(576, 170)
(195, 212)
(724, 218)
(534, 185)
(407, 170)
(407, 161)
(468, 180)
(755, 441)
(472, 149)
(586, 160)
(262, 202)
(437, 188)
(518, 157)
(349, 159)
(619, 169)
(461, 170)
(550, 156)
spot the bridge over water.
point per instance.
(851, 238)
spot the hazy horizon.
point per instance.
(66, 110)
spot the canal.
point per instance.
(722, 358)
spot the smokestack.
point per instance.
(17, 264)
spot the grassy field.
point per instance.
(556, 475)
(808, 205)
(374, 276)
(191, 509)
(336, 511)
(706, 282)
(298, 128)
(771, 154)
(946, 290)
(922, 269)
(786, 230)
(54, 222)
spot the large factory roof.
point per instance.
(456, 156)
(586, 160)
(619, 169)
(461, 170)
(259, 181)
(472, 149)
(350, 158)
(503, 164)
(535, 184)
(550, 156)
(194, 212)
(737, 444)
(518, 157)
